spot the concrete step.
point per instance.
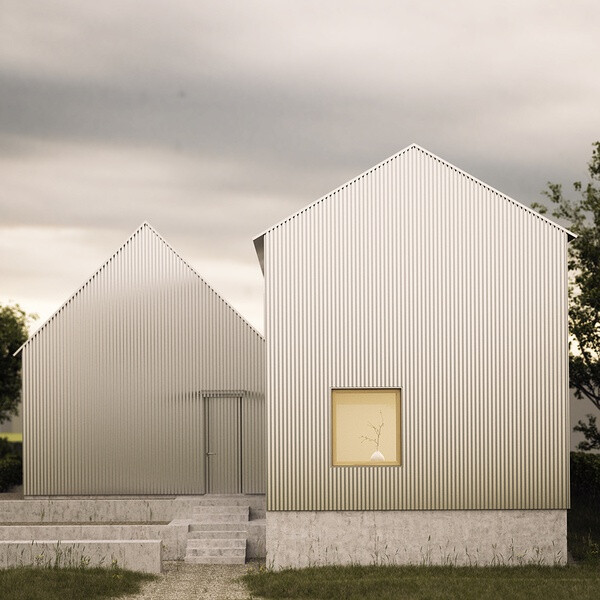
(218, 532)
(221, 509)
(216, 552)
(241, 526)
(215, 560)
(217, 543)
(223, 535)
(221, 518)
(222, 500)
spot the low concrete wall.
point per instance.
(102, 510)
(474, 537)
(173, 536)
(123, 519)
(133, 555)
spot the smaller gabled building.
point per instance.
(145, 382)
(417, 373)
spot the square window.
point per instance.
(366, 427)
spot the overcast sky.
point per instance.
(215, 120)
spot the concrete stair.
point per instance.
(218, 534)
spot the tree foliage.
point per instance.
(13, 333)
(583, 217)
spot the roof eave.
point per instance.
(259, 246)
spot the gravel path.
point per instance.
(180, 581)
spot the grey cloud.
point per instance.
(256, 109)
(215, 120)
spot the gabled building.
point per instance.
(417, 374)
(144, 382)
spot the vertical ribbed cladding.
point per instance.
(253, 445)
(417, 276)
(114, 382)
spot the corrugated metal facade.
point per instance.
(115, 382)
(417, 276)
(253, 429)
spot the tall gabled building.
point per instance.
(417, 374)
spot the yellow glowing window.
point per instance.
(366, 427)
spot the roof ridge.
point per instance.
(391, 158)
(104, 265)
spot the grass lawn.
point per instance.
(26, 583)
(432, 583)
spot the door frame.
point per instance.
(206, 400)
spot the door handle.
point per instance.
(210, 453)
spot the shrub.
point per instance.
(8, 448)
(11, 472)
(17, 448)
(5, 447)
(585, 475)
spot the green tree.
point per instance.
(13, 333)
(583, 217)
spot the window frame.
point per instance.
(397, 462)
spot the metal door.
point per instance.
(223, 445)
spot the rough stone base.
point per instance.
(468, 537)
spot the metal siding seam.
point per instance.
(563, 379)
(35, 458)
(562, 385)
(28, 383)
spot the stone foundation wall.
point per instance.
(470, 537)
